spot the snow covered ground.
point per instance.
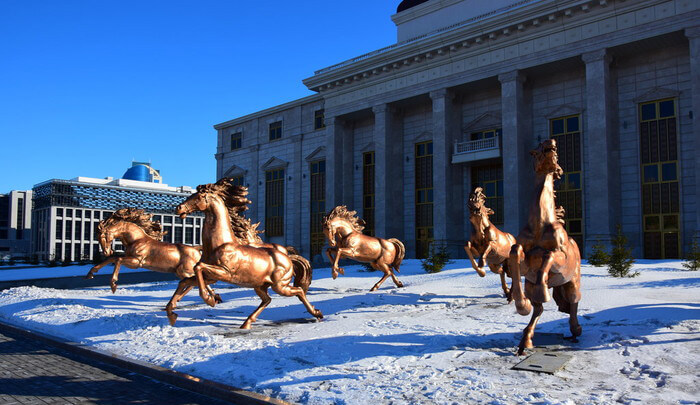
(445, 338)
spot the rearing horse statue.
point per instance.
(344, 233)
(544, 253)
(488, 242)
(227, 258)
(143, 247)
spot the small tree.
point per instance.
(599, 255)
(621, 260)
(436, 260)
(692, 258)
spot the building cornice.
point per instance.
(497, 31)
(421, 10)
(269, 111)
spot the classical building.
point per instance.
(66, 212)
(404, 133)
(15, 224)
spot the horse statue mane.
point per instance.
(477, 203)
(139, 218)
(342, 212)
(236, 201)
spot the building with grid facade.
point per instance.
(404, 133)
(15, 224)
(66, 213)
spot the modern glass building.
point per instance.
(66, 214)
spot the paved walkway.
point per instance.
(32, 372)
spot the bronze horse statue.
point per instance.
(490, 244)
(143, 247)
(227, 258)
(544, 253)
(343, 229)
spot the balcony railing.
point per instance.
(476, 150)
(474, 146)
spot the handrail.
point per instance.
(475, 146)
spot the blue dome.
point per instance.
(138, 172)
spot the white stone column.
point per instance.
(335, 132)
(693, 35)
(516, 159)
(447, 179)
(388, 173)
(599, 143)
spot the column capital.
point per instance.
(380, 108)
(514, 75)
(693, 32)
(595, 56)
(442, 93)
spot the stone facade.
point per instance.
(519, 68)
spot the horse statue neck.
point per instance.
(129, 233)
(542, 209)
(479, 222)
(217, 225)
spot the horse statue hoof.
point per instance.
(218, 299)
(318, 314)
(172, 317)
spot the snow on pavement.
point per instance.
(445, 338)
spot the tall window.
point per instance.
(567, 132)
(660, 186)
(424, 198)
(318, 205)
(59, 229)
(490, 179)
(368, 191)
(236, 140)
(275, 130)
(319, 116)
(489, 133)
(274, 202)
(20, 218)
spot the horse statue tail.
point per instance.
(302, 272)
(400, 253)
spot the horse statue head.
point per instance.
(341, 219)
(477, 203)
(546, 159)
(232, 196)
(116, 225)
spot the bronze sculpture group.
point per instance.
(232, 250)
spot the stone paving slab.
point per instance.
(38, 369)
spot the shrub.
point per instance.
(436, 260)
(692, 258)
(621, 260)
(599, 255)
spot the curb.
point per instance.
(166, 375)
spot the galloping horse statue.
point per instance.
(344, 233)
(488, 242)
(544, 253)
(141, 238)
(228, 258)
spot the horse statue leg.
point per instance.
(183, 287)
(334, 262)
(496, 268)
(282, 286)
(265, 297)
(471, 252)
(529, 332)
(517, 266)
(94, 269)
(213, 273)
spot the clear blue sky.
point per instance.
(87, 86)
